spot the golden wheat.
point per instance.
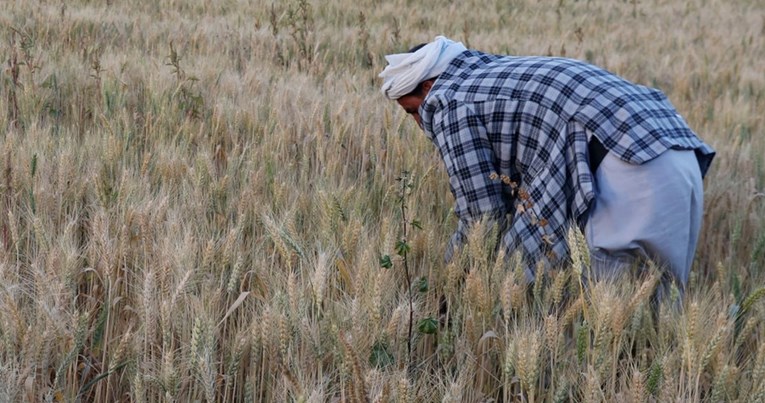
(196, 199)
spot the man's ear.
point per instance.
(427, 85)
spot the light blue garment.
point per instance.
(653, 210)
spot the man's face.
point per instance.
(411, 102)
(411, 105)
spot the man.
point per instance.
(535, 144)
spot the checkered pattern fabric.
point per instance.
(513, 133)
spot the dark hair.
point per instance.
(416, 48)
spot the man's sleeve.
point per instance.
(470, 162)
(540, 221)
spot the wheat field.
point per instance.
(211, 201)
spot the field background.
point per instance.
(195, 197)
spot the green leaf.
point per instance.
(380, 357)
(50, 82)
(385, 262)
(582, 342)
(416, 224)
(84, 389)
(422, 285)
(402, 247)
(338, 208)
(736, 285)
(98, 333)
(655, 377)
(427, 325)
(752, 299)
(34, 165)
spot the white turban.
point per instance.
(406, 70)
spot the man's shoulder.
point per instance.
(466, 66)
(460, 82)
(473, 71)
(471, 61)
(472, 58)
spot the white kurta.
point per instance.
(653, 210)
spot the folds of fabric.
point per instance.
(406, 70)
(651, 211)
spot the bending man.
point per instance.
(537, 143)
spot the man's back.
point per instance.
(635, 122)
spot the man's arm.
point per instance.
(541, 218)
(470, 162)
